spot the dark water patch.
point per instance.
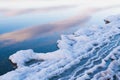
(38, 45)
(33, 61)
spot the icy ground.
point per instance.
(91, 53)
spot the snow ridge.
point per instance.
(91, 53)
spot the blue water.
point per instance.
(45, 43)
(12, 23)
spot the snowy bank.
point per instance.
(91, 53)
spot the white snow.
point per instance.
(73, 49)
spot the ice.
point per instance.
(91, 53)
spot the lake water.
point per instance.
(47, 41)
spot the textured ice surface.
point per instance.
(91, 53)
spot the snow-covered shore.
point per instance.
(91, 53)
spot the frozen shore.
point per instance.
(91, 53)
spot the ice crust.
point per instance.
(91, 53)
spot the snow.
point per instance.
(90, 53)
